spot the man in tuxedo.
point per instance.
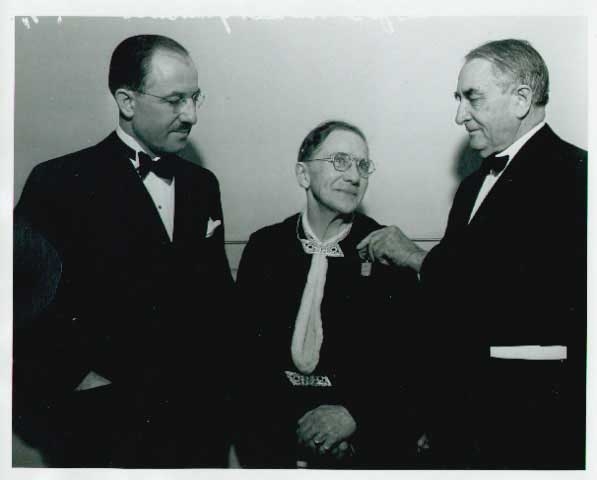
(127, 366)
(506, 286)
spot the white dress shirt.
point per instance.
(161, 192)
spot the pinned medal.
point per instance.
(366, 264)
(366, 268)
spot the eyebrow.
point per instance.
(180, 94)
(468, 93)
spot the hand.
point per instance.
(342, 450)
(326, 428)
(390, 246)
(423, 443)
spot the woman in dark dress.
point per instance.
(327, 339)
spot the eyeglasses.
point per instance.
(343, 161)
(178, 101)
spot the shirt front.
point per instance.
(161, 192)
(491, 178)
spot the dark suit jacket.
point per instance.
(516, 274)
(132, 306)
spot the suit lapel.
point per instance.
(515, 181)
(495, 201)
(470, 196)
(125, 192)
(191, 209)
(460, 212)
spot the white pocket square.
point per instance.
(211, 227)
(92, 380)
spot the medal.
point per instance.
(366, 268)
(366, 264)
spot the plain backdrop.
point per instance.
(269, 81)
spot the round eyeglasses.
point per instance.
(343, 161)
(178, 101)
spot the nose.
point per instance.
(188, 114)
(462, 113)
(352, 174)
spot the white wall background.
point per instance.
(269, 81)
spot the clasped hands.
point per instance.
(326, 430)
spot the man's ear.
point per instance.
(126, 102)
(302, 175)
(523, 100)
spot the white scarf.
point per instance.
(308, 331)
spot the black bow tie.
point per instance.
(162, 167)
(493, 164)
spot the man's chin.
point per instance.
(478, 147)
(175, 147)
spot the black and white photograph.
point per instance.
(318, 244)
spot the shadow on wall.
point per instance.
(466, 161)
(192, 153)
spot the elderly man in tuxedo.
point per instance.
(126, 367)
(507, 283)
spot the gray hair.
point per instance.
(318, 135)
(520, 61)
